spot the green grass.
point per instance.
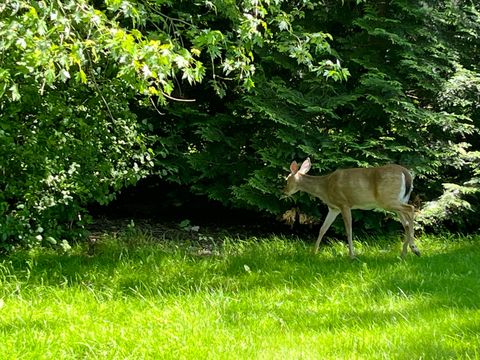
(138, 298)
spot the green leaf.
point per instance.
(15, 94)
(21, 43)
(64, 75)
(50, 75)
(82, 76)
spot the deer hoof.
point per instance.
(415, 250)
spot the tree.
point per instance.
(221, 96)
(403, 59)
(75, 74)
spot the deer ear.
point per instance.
(305, 166)
(294, 167)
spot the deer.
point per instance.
(386, 187)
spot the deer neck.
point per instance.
(314, 185)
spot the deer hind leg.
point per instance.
(331, 216)
(347, 219)
(406, 227)
(406, 213)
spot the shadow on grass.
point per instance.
(297, 290)
(449, 276)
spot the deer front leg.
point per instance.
(331, 216)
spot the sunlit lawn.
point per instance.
(267, 298)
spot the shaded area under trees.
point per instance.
(219, 97)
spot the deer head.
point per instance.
(293, 178)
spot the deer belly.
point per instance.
(366, 206)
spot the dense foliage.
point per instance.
(412, 98)
(222, 95)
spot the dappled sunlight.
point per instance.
(271, 292)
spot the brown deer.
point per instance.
(387, 187)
